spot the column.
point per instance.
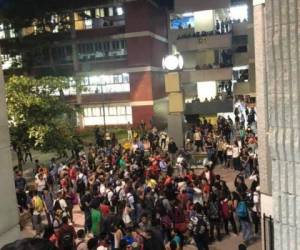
(176, 108)
(283, 111)
(9, 217)
(76, 68)
(264, 158)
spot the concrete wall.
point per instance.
(204, 43)
(182, 6)
(279, 114)
(9, 217)
(206, 75)
(204, 20)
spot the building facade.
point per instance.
(116, 47)
(215, 39)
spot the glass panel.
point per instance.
(96, 112)
(110, 11)
(121, 110)
(112, 111)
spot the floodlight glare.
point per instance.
(172, 62)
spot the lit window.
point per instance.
(239, 12)
(110, 11)
(95, 80)
(121, 110)
(128, 110)
(102, 14)
(120, 11)
(112, 111)
(96, 112)
(88, 112)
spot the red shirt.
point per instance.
(104, 209)
(73, 173)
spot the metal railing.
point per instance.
(268, 230)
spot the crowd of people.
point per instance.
(144, 194)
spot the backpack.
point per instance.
(114, 199)
(200, 227)
(213, 211)
(80, 185)
(66, 240)
(241, 210)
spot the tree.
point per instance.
(39, 117)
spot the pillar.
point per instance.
(264, 158)
(9, 217)
(282, 88)
(176, 108)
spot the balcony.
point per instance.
(209, 108)
(240, 59)
(219, 74)
(223, 41)
(240, 29)
(175, 33)
(182, 6)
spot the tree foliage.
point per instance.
(39, 118)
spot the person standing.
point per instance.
(96, 219)
(172, 150)
(236, 156)
(129, 131)
(198, 140)
(163, 139)
(20, 185)
(80, 242)
(66, 235)
(242, 212)
(38, 208)
(198, 227)
(48, 203)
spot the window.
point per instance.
(114, 114)
(102, 49)
(120, 11)
(6, 31)
(110, 11)
(9, 61)
(121, 110)
(107, 83)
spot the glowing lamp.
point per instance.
(172, 62)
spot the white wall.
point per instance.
(206, 90)
(204, 20)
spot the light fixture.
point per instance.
(120, 11)
(172, 62)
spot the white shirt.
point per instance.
(41, 184)
(235, 152)
(197, 136)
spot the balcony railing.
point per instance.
(216, 41)
(209, 108)
(240, 28)
(240, 59)
(202, 75)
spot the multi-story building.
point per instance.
(117, 48)
(215, 39)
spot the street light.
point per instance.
(172, 62)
